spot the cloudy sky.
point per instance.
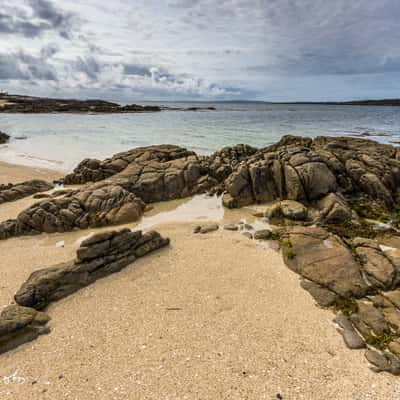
(126, 50)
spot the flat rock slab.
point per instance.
(323, 258)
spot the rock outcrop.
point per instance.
(325, 173)
(92, 170)
(12, 192)
(98, 256)
(95, 206)
(307, 170)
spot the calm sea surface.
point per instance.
(60, 141)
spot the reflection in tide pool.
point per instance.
(198, 209)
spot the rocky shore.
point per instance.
(334, 202)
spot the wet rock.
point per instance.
(197, 229)
(231, 227)
(393, 256)
(378, 360)
(19, 325)
(317, 178)
(209, 228)
(97, 257)
(323, 297)
(4, 138)
(393, 296)
(18, 191)
(263, 234)
(293, 210)
(61, 192)
(352, 339)
(290, 209)
(360, 325)
(372, 317)
(41, 196)
(334, 209)
(247, 227)
(394, 347)
(392, 316)
(377, 266)
(249, 235)
(323, 258)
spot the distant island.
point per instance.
(12, 103)
(378, 102)
(382, 102)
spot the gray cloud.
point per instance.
(202, 48)
(89, 66)
(139, 70)
(34, 17)
(22, 66)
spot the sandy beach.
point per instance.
(214, 316)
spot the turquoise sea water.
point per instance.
(60, 141)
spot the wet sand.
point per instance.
(213, 316)
(11, 173)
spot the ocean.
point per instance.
(61, 141)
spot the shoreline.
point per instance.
(239, 324)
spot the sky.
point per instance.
(132, 50)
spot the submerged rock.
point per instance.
(4, 138)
